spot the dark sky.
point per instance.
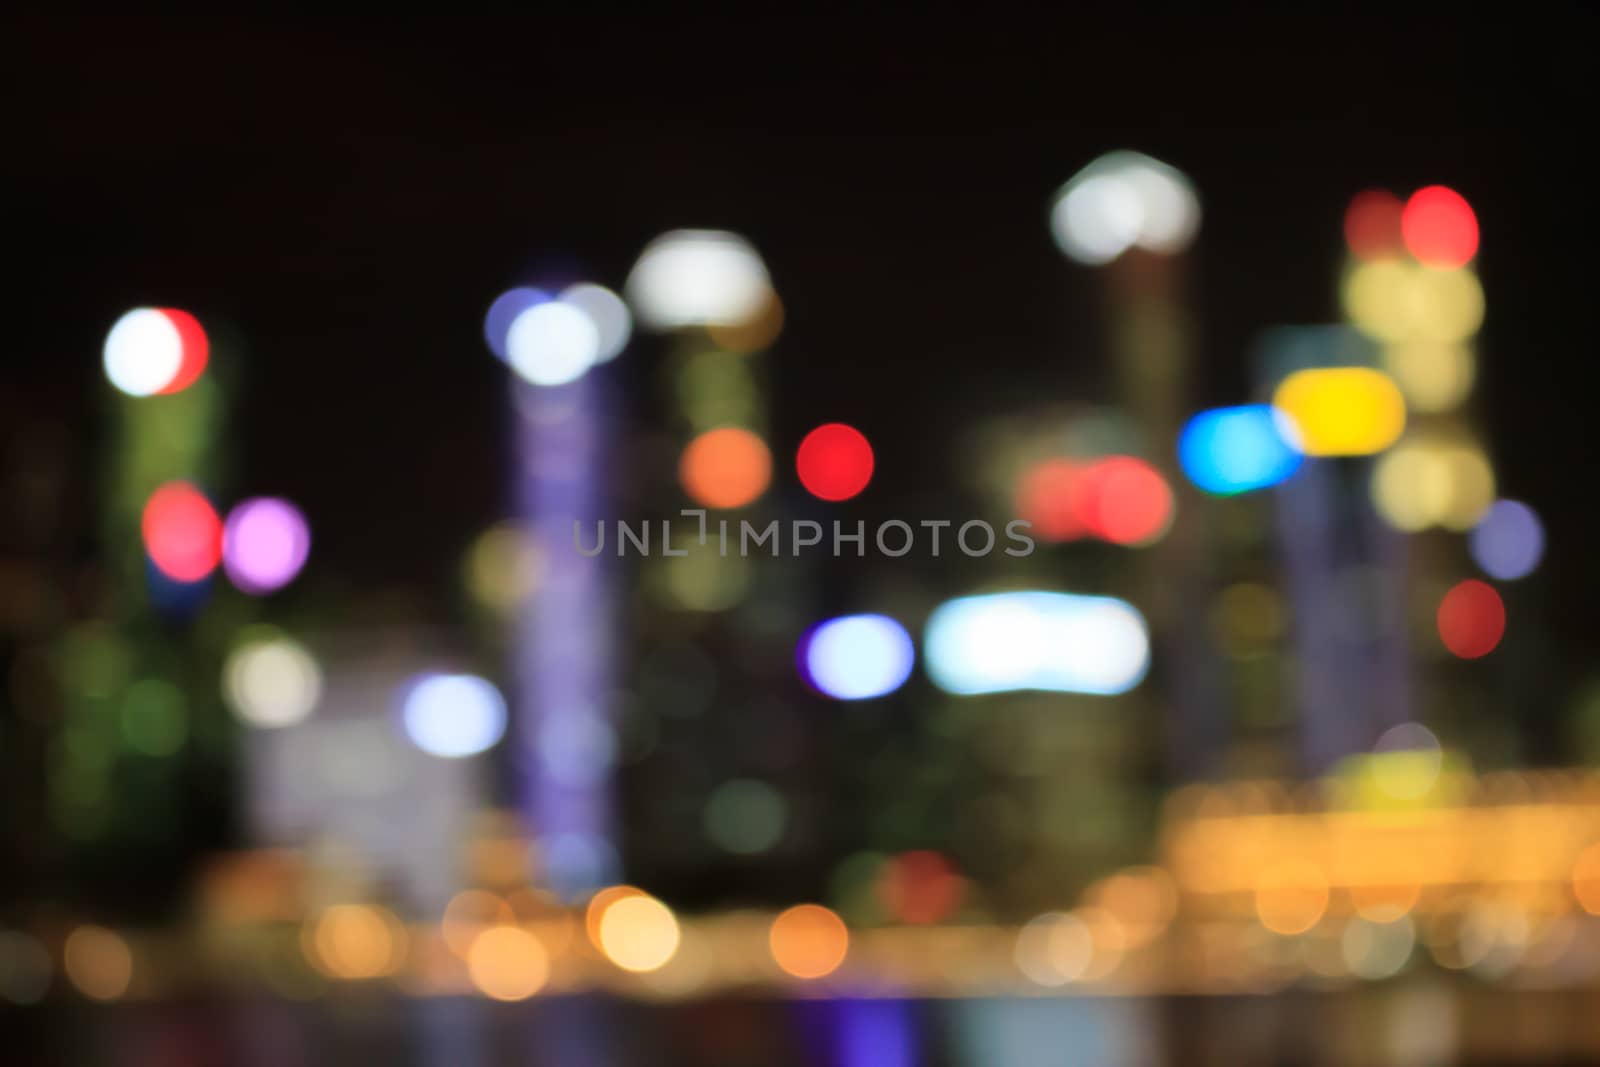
(350, 195)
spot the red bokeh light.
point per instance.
(1440, 228)
(920, 887)
(196, 350)
(834, 461)
(1372, 226)
(1048, 498)
(182, 532)
(1472, 619)
(1125, 501)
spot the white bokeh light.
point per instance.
(606, 310)
(454, 715)
(272, 682)
(698, 277)
(143, 352)
(1123, 200)
(552, 343)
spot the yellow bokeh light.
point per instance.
(1392, 301)
(1377, 299)
(1144, 900)
(1434, 376)
(98, 962)
(1342, 411)
(357, 941)
(1446, 305)
(808, 941)
(508, 963)
(504, 567)
(1427, 483)
(638, 933)
(1291, 897)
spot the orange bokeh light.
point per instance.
(725, 468)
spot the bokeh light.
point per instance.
(357, 941)
(1440, 227)
(270, 680)
(1235, 450)
(697, 278)
(1426, 482)
(606, 310)
(552, 343)
(1291, 897)
(182, 533)
(264, 544)
(638, 933)
(1002, 642)
(920, 887)
(453, 715)
(1508, 541)
(151, 351)
(1125, 501)
(1048, 498)
(834, 461)
(508, 963)
(1342, 411)
(1435, 376)
(1122, 200)
(745, 816)
(24, 968)
(1372, 225)
(1054, 948)
(504, 567)
(1472, 619)
(857, 657)
(468, 914)
(808, 941)
(98, 962)
(727, 467)
(504, 311)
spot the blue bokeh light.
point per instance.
(1235, 450)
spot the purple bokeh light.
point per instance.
(264, 544)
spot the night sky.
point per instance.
(347, 197)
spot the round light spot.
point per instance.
(98, 962)
(182, 533)
(143, 352)
(834, 461)
(1440, 227)
(265, 542)
(745, 816)
(808, 941)
(638, 933)
(1508, 541)
(857, 657)
(1472, 619)
(605, 309)
(508, 963)
(271, 681)
(454, 715)
(727, 467)
(552, 343)
(698, 278)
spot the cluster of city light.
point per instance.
(1119, 499)
(553, 339)
(1431, 480)
(1003, 642)
(1120, 201)
(155, 351)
